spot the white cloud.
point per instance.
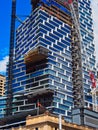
(3, 64)
(95, 19)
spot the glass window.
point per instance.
(58, 47)
(45, 41)
(54, 36)
(57, 110)
(49, 25)
(42, 17)
(63, 107)
(69, 98)
(67, 103)
(57, 99)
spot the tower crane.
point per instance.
(77, 62)
(11, 55)
(78, 90)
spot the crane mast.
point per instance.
(11, 55)
(78, 91)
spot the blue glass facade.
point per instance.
(88, 47)
(44, 29)
(2, 106)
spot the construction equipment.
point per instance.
(11, 55)
(76, 56)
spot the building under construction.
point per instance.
(54, 53)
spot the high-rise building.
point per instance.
(88, 47)
(2, 97)
(2, 85)
(2, 106)
(42, 69)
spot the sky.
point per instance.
(24, 9)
